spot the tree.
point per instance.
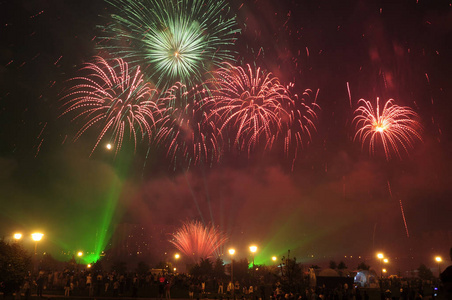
(15, 263)
(363, 266)
(341, 266)
(206, 267)
(218, 269)
(424, 272)
(333, 265)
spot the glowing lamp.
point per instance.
(37, 236)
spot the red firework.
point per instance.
(247, 104)
(185, 130)
(395, 127)
(113, 97)
(254, 108)
(198, 241)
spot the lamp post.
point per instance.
(380, 257)
(79, 254)
(439, 260)
(253, 250)
(37, 236)
(231, 252)
(176, 256)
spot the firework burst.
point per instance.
(172, 40)
(253, 108)
(198, 241)
(113, 97)
(395, 127)
(190, 138)
(300, 122)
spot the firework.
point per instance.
(113, 97)
(300, 124)
(253, 108)
(395, 127)
(172, 40)
(186, 132)
(198, 241)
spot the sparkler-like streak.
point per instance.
(113, 97)
(173, 40)
(185, 129)
(198, 241)
(395, 126)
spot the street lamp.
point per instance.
(17, 236)
(439, 260)
(231, 252)
(274, 258)
(37, 236)
(253, 250)
(79, 254)
(380, 257)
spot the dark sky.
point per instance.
(335, 202)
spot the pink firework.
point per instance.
(190, 138)
(198, 241)
(395, 127)
(248, 105)
(113, 98)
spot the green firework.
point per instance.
(173, 40)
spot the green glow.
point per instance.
(74, 203)
(286, 237)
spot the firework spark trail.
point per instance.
(198, 241)
(172, 40)
(113, 97)
(349, 94)
(404, 220)
(401, 209)
(185, 130)
(253, 109)
(395, 126)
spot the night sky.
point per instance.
(337, 201)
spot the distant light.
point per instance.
(174, 269)
(17, 236)
(231, 251)
(37, 236)
(385, 260)
(384, 270)
(380, 255)
(80, 253)
(177, 256)
(253, 248)
(274, 258)
(109, 146)
(438, 259)
(89, 266)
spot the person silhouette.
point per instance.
(446, 279)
